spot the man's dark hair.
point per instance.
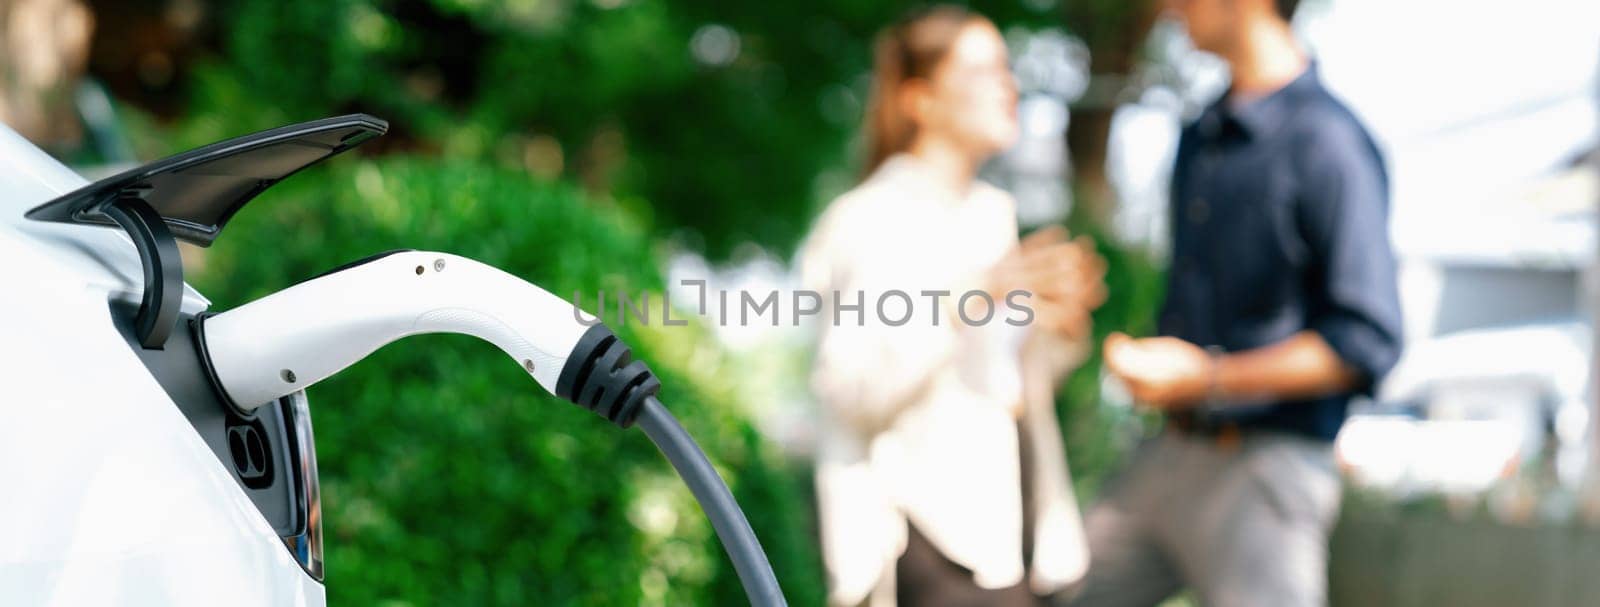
(1286, 8)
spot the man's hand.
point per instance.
(1066, 279)
(1163, 372)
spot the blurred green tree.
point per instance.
(727, 118)
(722, 116)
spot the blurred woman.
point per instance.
(941, 477)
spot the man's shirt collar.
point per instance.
(1260, 116)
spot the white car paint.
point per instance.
(109, 496)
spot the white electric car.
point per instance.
(154, 453)
(119, 489)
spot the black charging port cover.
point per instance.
(192, 195)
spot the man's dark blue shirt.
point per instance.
(1280, 225)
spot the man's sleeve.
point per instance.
(1343, 214)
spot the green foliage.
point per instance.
(1096, 436)
(608, 93)
(449, 477)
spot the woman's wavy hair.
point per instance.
(909, 49)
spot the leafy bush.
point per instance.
(451, 478)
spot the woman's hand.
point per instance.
(1065, 280)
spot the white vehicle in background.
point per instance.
(154, 453)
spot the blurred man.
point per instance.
(1281, 306)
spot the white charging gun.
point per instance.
(288, 340)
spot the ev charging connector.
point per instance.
(288, 340)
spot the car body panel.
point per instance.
(110, 495)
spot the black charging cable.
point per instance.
(601, 376)
(749, 560)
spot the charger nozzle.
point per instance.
(600, 375)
